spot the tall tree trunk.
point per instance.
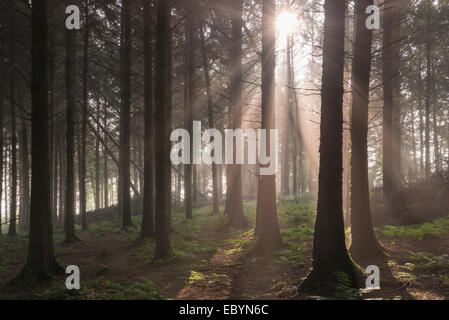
(5, 174)
(97, 166)
(436, 142)
(147, 229)
(220, 183)
(330, 256)
(41, 259)
(347, 114)
(269, 238)
(293, 113)
(364, 242)
(285, 113)
(236, 215)
(70, 69)
(25, 188)
(195, 184)
(12, 231)
(189, 99)
(53, 137)
(210, 117)
(428, 44)
(396, 87)
(421, 124)
(125, 114)
(139, 173)
(162, 135)
(389, 181)
(82, 175)
(414, 166)
(295, 123)
(62, 172)
(105, 161)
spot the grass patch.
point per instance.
(436, 228)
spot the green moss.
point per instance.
(196, 276)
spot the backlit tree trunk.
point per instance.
(125, 109)
(210, 116)
(235, 206)
(269, 237)
(387, 61)
(364, 242)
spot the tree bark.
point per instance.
(53, 137)
(97, 193)
(12, 231)
(189, 99)
(330, 256)
(25, 188)
(70, 67)
(428, 45)
(105, 161)
(364, 242)
(62, 172)
(41, 259)
(82, 174)
(396, 87)
(236, 215)
(163, 123)
(210, 116)
(125, 113)
(269, 237)
(389, 185)
(147, 229)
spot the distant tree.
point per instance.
(12, 231)
(25, 168)
(428, 102)
(105, 158)
(236, 215)
(269, 237)
(70, 69)
(189, 100)
(389, 74)
(125, 115)
(82, 175)
(210, 117)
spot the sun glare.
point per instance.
(286, 23)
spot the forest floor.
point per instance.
(210, 262)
